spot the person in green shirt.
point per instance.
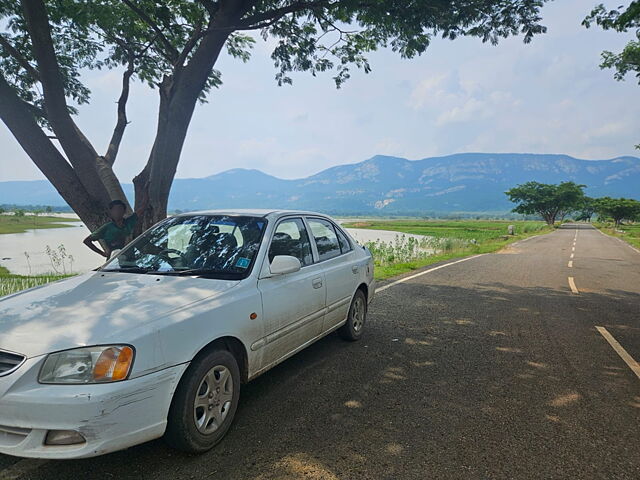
(115, 232)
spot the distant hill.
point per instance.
(469, 182)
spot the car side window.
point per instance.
(325, 237)
(345, 246)
(290, 238)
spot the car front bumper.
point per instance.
(110, 416)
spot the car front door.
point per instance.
(340, 267)
(293, 304)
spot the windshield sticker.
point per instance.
(243, 262)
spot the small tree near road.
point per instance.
(618, 209)
(550, 201)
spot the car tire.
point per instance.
(356, 320)
(204, 403)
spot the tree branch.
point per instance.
(18, 57)
(121, 124)
(170, 50)
(265, 19)
(77, 147)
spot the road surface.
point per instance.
(488, 368)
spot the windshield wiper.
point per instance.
(199, 272)
(131, 269)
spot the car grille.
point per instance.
(9, 362)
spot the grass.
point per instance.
(629, 233)
(451, 239)
(11, 283)
(14, 224)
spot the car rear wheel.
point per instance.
(353, 329)
(205, 403)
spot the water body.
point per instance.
(34, 242)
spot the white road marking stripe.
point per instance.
(20, 468)
(628, 359)
(570, 264)
(572, 255)
(406, 279)
(573, 249)
(572, 285)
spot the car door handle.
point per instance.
(354, 269)
(316, 282)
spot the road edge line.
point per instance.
(416, 275)
(628, 359)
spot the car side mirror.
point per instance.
(283, 264)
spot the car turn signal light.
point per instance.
(113, 364)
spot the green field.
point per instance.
(453, 239)
(629, 233)
(10, 283)
(13, 224)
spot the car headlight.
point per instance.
(100, 364)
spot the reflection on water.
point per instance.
(14, 245)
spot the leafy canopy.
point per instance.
(620, 20)
(547, 200)
(618, 209)
(155, 39)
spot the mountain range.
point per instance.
(383, 185)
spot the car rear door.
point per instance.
(340, 266)
(293, 304)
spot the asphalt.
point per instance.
(491, 368)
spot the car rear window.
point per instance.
(325, 237)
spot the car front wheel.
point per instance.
(353, 329)
(205, 403)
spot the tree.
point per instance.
(620, 20)
(586, 209)
(618, 209)
(173, 46)
(547, 200)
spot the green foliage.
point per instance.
(618, 209)
(158, 38)
(446, 240)
(547, 200)
(10, 283)
(620, 20)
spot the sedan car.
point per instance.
(158, 341)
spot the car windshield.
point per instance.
(210, 245)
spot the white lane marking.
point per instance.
(573, 249)
(572, 255)
(572, 285)
(619, 239)
(628, 359)
(570, 265)
(406, 279)
(21, 468)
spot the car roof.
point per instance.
(248, 212)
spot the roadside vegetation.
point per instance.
(11, 283)
(446, 240)
(19, 222)
(629, 233)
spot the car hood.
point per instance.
(95, 308)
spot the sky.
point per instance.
(548, 96)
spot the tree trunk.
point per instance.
(178, 97)
(19, 119)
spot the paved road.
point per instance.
(490, 368)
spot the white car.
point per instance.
(159, 339)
